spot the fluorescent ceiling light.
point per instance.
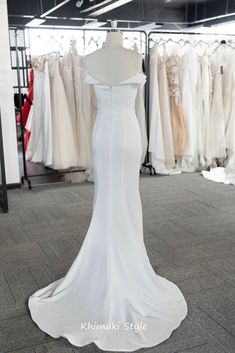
(94, 24)
(148, 26)
(35, 22)
(110, 7)
(214, 18)
(77, 18)
(55, 8)
(95, 6)
(127, 21)
(67, 18)
(24, 16)
(60, 27)
(56, 18)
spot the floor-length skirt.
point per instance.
(111, 282)
(64, 146)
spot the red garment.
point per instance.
(26, 107)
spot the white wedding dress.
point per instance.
(111, 282)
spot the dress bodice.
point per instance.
(118, 97)
(172, 67)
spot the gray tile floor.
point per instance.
(189, 232)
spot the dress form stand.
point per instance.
(111, 295)
(112, 55)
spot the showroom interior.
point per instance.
(145, 157)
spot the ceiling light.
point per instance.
(94, 24)
(97, 5)
(110, 7)
(35, 22)
(78, 18)
(60, 27)
(25, 16)
(148, 26)
(55, 8)
(214, 18)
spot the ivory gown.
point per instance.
(64, 146)
(111, 282)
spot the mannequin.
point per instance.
(124, 305)
(102, 62)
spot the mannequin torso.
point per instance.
(112, 63)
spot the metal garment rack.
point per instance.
(19, 87)
(184, 34)
(26, 176)
(16, 29)
(149, 39)
(3, 184)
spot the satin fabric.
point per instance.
(111, 282)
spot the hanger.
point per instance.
(219, 44)
(230, 43)
(200, 42)
(90, 41)
(154, 42)
(138, 40)
(134, 40)
(73, 43)
(57, 42)
(172, 40)
(187, 41)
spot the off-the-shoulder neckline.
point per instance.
(99, 81)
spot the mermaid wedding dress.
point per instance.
(111, 295)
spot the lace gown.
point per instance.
(179, 126)
(111, 282)
(160, 137)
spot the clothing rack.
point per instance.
(149, 40)
(3, 184)
(26, 176)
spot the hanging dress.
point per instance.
(165, 115)
(82, 125)
(27, 107)
(156, 143)
(35, 124)
(217, 118)
(47, 150)
(230, 116)
(65, 152)
(178, 123)
(188, 76)
(68, 81)
(206, 98)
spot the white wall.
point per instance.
(7, 101)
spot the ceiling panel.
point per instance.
(174, 11)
